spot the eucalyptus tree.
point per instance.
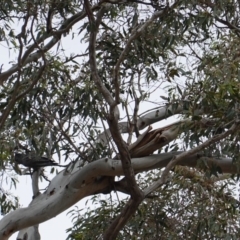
(135, 63)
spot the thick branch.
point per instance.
(121, 220)
(71, 185)
(114, 115)
(92, 51)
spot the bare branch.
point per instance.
(92, 52)
(181, 156)
(30, 55)
(135, 33)
(154, 116)
(77, 182)
(35, 178)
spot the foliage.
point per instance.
(188, 207)
(50, 102)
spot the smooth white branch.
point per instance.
(151, 117)
(70, 186)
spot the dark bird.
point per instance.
(33, 161)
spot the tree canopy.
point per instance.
(91, 112)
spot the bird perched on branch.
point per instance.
(31, 160)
